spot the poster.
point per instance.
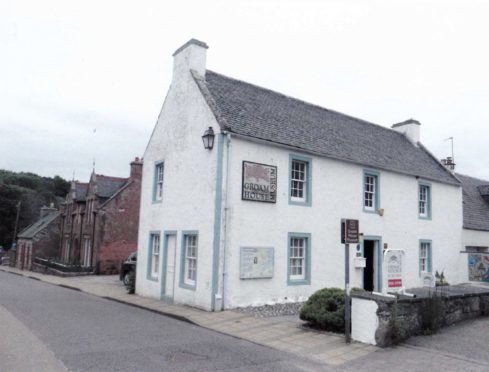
(256, 262)
(479, 267)
(393, 269)
(259, 182)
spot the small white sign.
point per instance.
(393, 270)
(256, 262)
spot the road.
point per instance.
(45, 327)
(49, 328)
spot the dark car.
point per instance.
(128, 266)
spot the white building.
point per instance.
(256, 219)
(475, 235)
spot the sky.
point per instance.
(84, 81)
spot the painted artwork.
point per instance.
(256, 262)
(259, 182)
(479, 267)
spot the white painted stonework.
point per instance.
(189, 204)
(364, 320)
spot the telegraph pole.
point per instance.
(16, 225)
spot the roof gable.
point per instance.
(260, 113)
(30, 231)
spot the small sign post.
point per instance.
(349, 234)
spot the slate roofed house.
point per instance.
(100, 221)
(41, 239)
(253, 216)
(475, 236)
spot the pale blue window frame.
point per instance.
(149, 272)
(428, 201)
(307, 202)
(307, 259)
(376, 195)
(183, 283)
(429, 256)
(157, 165)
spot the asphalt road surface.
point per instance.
(44, 327)
(49, 328)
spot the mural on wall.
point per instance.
(256, 262)
(479, 267)
(259, 182)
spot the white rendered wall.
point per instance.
(189, 186)
(364, 320)
(337, 192)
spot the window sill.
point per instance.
(303, 203)
(188, 286)
(298, 282)
(152, 278)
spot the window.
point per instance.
(298, 259)
(424, 201)
(425, 256)
(188, 273)
(158, 182)
(370, 191)
(300, 180)
(154, 256)
(190, 259)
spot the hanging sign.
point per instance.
(392, 269)
(259, 182)
(349, 231)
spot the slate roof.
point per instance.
(476, 209)
(30, 231)
(107, 186)
(260, 113)
(81, 191)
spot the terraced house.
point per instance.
(244, 188)
(100, 221)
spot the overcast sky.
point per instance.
(86, 79)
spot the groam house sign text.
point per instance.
(259, 182)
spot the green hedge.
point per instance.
(325, 309)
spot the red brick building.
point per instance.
(99, 220)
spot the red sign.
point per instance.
(393, 283)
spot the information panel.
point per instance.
(256, 262)
(479, 267)
(259, 182)
(393, 277)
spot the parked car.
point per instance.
(128, 266)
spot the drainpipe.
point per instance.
(225, 232)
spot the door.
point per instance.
(171, 245)
(369, 271)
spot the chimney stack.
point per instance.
(136, 169)
(190, 56)
(46, 210)
(410, 128)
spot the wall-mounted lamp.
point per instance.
(208, 139)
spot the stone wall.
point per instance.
(397, 319)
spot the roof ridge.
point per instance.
(307, 103)
(472, 177)
(112, 177)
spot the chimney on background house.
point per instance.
(136, 168)
(410, 128)
(190, 56)
(46, 210)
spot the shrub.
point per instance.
(325, 309)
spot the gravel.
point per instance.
(267, 311)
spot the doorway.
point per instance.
(368, 271)
(371, 272)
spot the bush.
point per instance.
(325, 309)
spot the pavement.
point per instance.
(284, 333)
